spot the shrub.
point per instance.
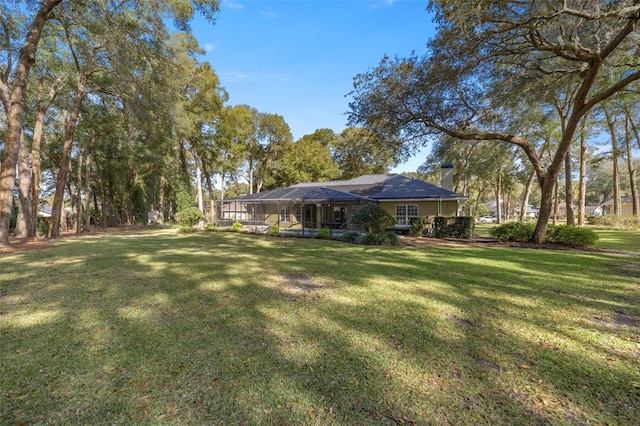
(454, 227)
(185, 229)
(388, 238)
(571, 236)
(324, 234)
(374, 218)
(417, 226)
(236, 227)
(350, 237)
(629, 223)
(189, 216)
(210, 227)
(273, 230)
(513, 231)
(139, 203)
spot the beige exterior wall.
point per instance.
(425, 208)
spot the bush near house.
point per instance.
(273, 230)
(571, 236)
(616, 222)
(454, 226)
(189, 216)
(556, 234)
(388, 238)
(374, 218)
(417, 226)
(513, 231)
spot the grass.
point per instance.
(208, 328)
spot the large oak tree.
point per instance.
(488, 58)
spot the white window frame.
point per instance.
(298, 213)
(285, 214)
(404, 216)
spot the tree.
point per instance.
(307, 160)
(486, 56)
(97, 34)
(359, 151)
(13, 99)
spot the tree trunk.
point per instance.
(36, 163)
(163, 181)
(568, 191)
(498, 200)
(207, 176)
(526, 195)
(616, 170)
(582, 192)
(632, 170)
(87, 194)
(61, 181)
(556, 204)
(79, 194)
(24, 222)
(15, 114)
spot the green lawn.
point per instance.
(209, 328)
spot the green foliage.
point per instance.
(358, 151)
(185, 229)
(374, 218)
(513, 231)
(273, 230)
(417, 226)
(184, 196)
(189, 216)
(388, 238)
(616, 222)
(324, 234)
(454, 227)
(557, 234)
(139, 203)
(571, 236)
(236, 227)
(210, 227)
(350, 237)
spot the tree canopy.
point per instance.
(492, 60)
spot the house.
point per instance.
(333, 205)
(626, 206)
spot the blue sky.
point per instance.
(297, 58)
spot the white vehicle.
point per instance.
(488, 219)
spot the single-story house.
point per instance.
(626, 206)
(333, 204)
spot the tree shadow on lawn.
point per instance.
(193, 329)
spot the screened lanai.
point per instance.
(294, 208)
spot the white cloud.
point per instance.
(232, 5)
(269, 14)
(235, 77)
(209, 47)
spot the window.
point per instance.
(285, 214)
(298, 214)
(404, 214)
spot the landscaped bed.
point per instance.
(164, 328)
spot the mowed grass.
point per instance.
(220, 328)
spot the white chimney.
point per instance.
(447, 176)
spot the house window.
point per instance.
(298, 214)
(404, 214)
(285, 214)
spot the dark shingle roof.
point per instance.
(303, 194)
(369, 187)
